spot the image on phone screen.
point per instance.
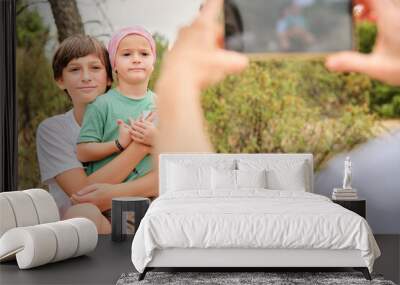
(288, 26)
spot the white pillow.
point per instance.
(282, 174)
(188, 177)
(223, 179)
(251, 178)
(204, 161)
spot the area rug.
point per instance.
(243, 278)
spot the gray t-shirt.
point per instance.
(56, 139)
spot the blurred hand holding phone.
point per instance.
(383, 63)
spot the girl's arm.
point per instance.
(73, 180)
(145, 186)
(94, 151)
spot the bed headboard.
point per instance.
(212, 158)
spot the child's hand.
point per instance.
(124, 136)
(150, 117)
(143, 131)
(146, 149)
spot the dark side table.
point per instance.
(357, 206)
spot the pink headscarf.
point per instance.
(118, 36)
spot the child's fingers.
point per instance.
(140, 124)
(137, 139)
(150, 117)
(132, 134)
(139, 127)
(137, 135)
(131, 121)
(87, 189)
(77, 199)
(127, 127)
(122, 124)
(149, 124)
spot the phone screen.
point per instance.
(288, 26)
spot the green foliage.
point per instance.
(38, 97)
(366, 34)
(289, 106)
(29, 26)
(162, 47)
(384, 99)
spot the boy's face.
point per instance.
(134, 60)
(84, 78)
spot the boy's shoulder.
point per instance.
(57, 124)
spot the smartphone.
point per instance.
(288, 26)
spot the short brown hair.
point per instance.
(79, 46)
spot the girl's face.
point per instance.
(84, 78)
(134, 60)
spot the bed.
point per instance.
(246, 211)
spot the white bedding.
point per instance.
(251, 218)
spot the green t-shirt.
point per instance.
(100, 125)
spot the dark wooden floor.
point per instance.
(110, 260)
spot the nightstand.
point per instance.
(126, 215)
(357, 206)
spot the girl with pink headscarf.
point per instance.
(124, 114)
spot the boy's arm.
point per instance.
(75, 179)
(93, 151)
(101, 194)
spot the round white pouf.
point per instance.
(7, 218)
(40, 244)
(87, 234)
(23, 208)
(67, 239)
(46, 207)
(33, 246)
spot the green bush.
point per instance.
(289, 106)
(366, 33)
(161, 46)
